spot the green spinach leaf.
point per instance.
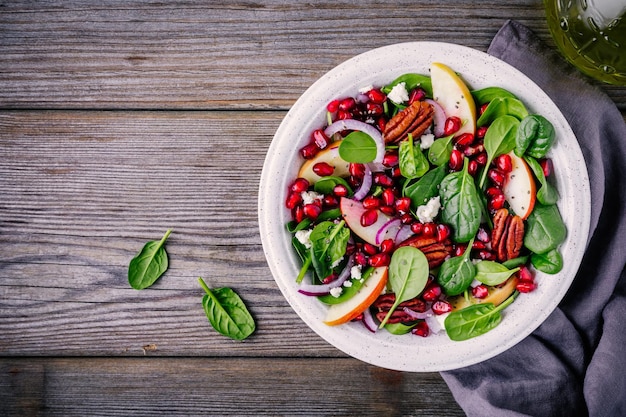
(408, 275)
(440, 151)
(545, 229)
(457, 273)
(493, 273)
(502, 106)
(413, 163)
(325, 185)
(399, 328)
(474, 320)
(499, 139)
(149, 264)
(534, 136)
(425, 188)
(348, 292)
(462, 207)
(227, 313)
(328, 246)
(550, 262)
(488, 94)
(515, 262)
(546, 194)
(358, 147)
(411, 81)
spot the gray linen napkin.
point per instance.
(574, 364)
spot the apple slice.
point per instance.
(329, 155)
(496, 295)
(352, 210)
(352, 307)
(452, 94)
(519, 187)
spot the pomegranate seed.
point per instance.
(300, 185)
(388, 197)
(497, 177)
(293, 199)
(376, 96)
(473, 150)
(396, 172)
(333, 106)
(486, 255)
(466, 139)
(403, 205)
(421, 329)
(382, 179)
(312, 211)
(343, 115)
(547, 167)
(370, 249)
(429, 229)
(381, 123)
(323, 169)
(504, 163)
(480, 132)
(478, 245)
(493, 191)
(360, 259)
(417, 94)
(481, 159)
(443, 232)
(371, 202)
(451, 125)
(406, 218)
(456, 160)
(380, 259)
(390, 159)
(357, 170)
(525, 286)
(497, 202)
(309, 151)
(369, 217)
(388, 210)
(483, 235)
(330, 201)
(374, 109)
(441, 307)
(347, 104)
(417, 228)
(386, 245)
(459, 250)
(524, 274)
(483, 108)
(472, 167)
(320, 139)
(432, 292)
(340, 190)
(480, 291)
(358, 318)
(330, 278)
(298, 214)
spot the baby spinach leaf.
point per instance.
(534, 136)
(457, 273)
(413, 163)
(325, 185)
(546, 194)
(149, 264)
(462, 207)
(499, 139)
(545, 229)
(328, 246)
(411, 81)
(474, 320)
(550, 262)
(226, 312)
(515, 262)
(502, 106)
(358, 147)
(425, 188)
(440, 151)
(488, 94)
(493, 273)
(399, 328)
(408, 275)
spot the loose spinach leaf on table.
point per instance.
(408, 275)
(149, 264)
(475, 320)
(462, 207)
(226, 312)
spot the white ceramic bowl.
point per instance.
(379, 67)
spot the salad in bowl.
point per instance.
(420, 211)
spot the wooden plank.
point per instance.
(187, 55)
(216, 386)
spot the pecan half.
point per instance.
(414, 119)
(385, 301)
(436, 252)
(507, 237)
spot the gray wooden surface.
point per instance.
(121, 119)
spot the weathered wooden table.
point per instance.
(121, 119)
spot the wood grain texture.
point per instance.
(231, 54)
(218, 387)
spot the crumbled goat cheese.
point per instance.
(310, 196)
(347, 283)
(304, 237)
(427, 140)
(336, 263)
(355, 272)
(336, 292)
(398, 93)
(429, 211)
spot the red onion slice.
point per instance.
(368, 321)
(417, 316)
(351, 124)
(433, 324)
(324, 289)
(388, 230)
(366, 185)
(403, 234)
(439, 117)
